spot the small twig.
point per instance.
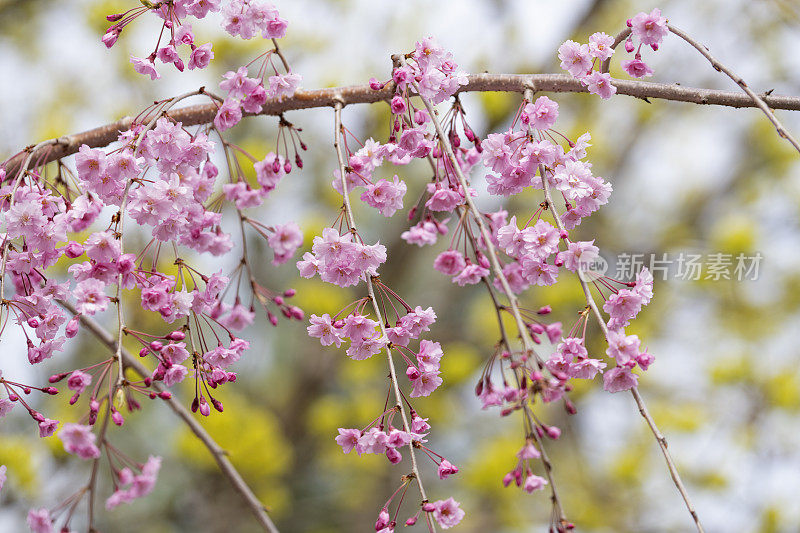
(758, 100)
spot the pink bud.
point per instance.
(116, 417)
(375, 85)
(411, 521)
(165, 395)
(629, 45)
(507, 479)
(110, 37)
(205, 410)
(55, 378)
(115, 17)
(383, 519)
(297, 313)
(156, 345)
(272, 318)
(546, 310)
(278, 300)
(33, 321)
(654, 46)
(553, 432)
(287, 167)
(52, 391)
(428, 507)
(176, 335)
(570, 407)
(72, 328)
(398, 105)
(413, 373)
(288, 293)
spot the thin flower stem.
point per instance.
(491, 251)
(92, 486)
(370, 290)
(662, 441)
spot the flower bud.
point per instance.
(176, 335)
(72, 328)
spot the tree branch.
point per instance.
(220, 455)
(362, 94)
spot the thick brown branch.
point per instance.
(220, 455)
(362, 94)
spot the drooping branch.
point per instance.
(363, 94)
(338, 134)
(662, 441)
(758, 100)
(500, 276)
(219, 454)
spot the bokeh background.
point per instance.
(725, 387)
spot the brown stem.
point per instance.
(362, 94)
(548, 466)
(220, 455)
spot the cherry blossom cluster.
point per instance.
(242, 18)
(649, 29)
(245, 94)
(580, 60)
(162, 178)
(341, 257)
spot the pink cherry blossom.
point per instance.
(447, 513)
(619, 379)
(650, 28)
(79, 440)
